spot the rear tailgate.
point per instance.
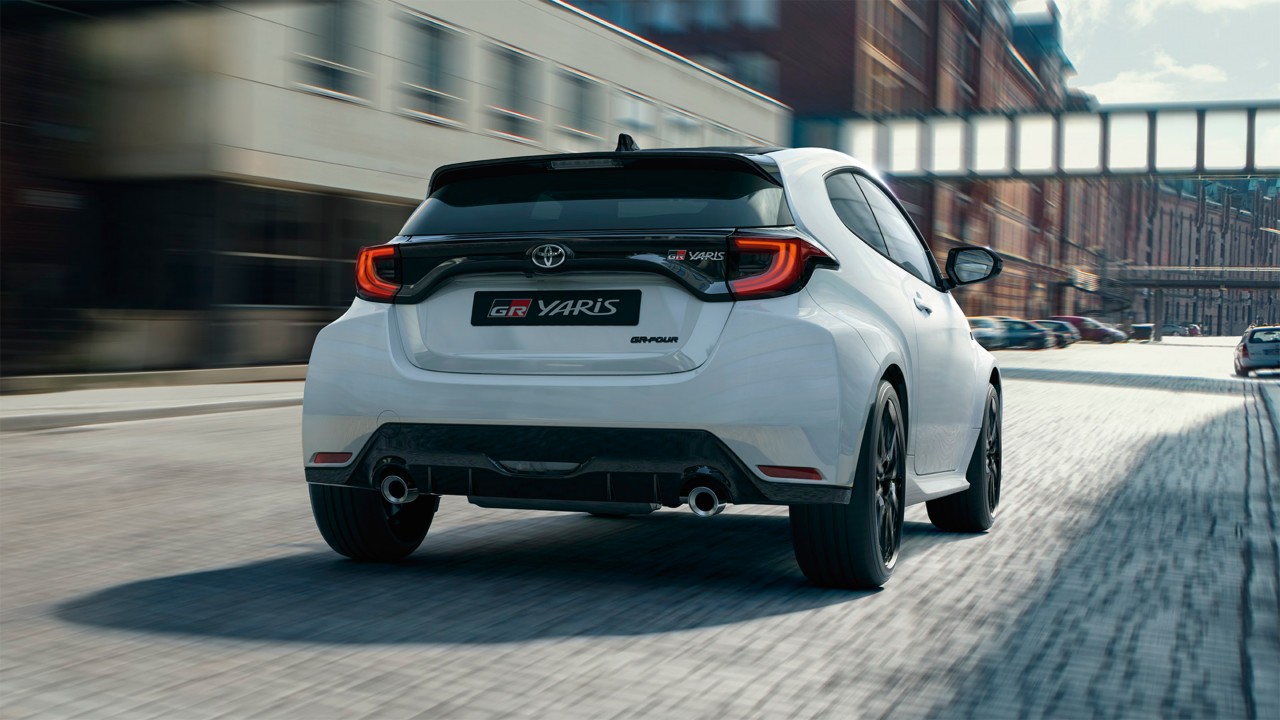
(622, 304)
(613, 263)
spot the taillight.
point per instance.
(765, 267)
(378, 272)
(1244, 349)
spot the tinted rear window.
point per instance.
(602, 199)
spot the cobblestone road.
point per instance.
(170, 569)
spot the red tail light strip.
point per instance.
(369, 285)
(330, 458)
(786, 271)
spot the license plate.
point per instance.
(556, 307)
(1271, 352)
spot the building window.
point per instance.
(683, 130)
(666, 16)
(581, 101)
(758, 13)
(332, 60)
(513, 110)
(433, 84)
(756, 70)
(711, 14)
(634, 113)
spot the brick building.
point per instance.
(1062, 239)
(833, 60)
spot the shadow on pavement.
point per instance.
(1142, 614)
(508, 581)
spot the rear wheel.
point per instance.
(974, 509)
(1241, 372)
(856, 545)
(358, 523)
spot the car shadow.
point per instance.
(550, 576)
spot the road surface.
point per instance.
(170, 569)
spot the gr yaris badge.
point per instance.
(549, 256)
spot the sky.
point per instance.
(1146, 51)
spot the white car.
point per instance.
(617, 332)
(1258, 349)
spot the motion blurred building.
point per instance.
(836, 61)
(187, 185)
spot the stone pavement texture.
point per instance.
(170, 569)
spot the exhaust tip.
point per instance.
(397, 490)
(704, 502)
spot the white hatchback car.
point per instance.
(616, 332)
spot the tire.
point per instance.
(975, 509)
(856, 545)
(1241, 372)
(358, 523)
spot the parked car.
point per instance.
(989, 332)
(1258, 349)
(1144, 331)
(1192, 329)
(1065, 332)
(1026, 334)
(580, 332)
(1092, 330)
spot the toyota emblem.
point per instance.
(549, 256)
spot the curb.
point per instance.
(30, 384)
(49, 421)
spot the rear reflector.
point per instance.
(377, 273)
(792, 473)
(330, 458)
(765, 267)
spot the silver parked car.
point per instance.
(989, 332)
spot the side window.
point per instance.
(852, 208)
(904, 247)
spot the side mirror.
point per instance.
(970, 264)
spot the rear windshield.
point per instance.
(1265, 335)
(602, 199)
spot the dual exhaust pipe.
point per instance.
(703, 501)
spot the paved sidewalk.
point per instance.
(91, 407)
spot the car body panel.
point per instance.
(782, 381)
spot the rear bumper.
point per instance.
(787, 384)
(1259, 363)
(602, 465)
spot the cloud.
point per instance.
(1081, 15)
(1144, 11)
(1165, 81)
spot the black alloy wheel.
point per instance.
(856, 545)
(891, 484)
(994, 453)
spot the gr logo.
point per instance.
(510, 307)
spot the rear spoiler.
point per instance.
(532, 164)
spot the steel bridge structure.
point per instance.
(1208, 140)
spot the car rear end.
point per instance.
(598, 331)
(1259, 349)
